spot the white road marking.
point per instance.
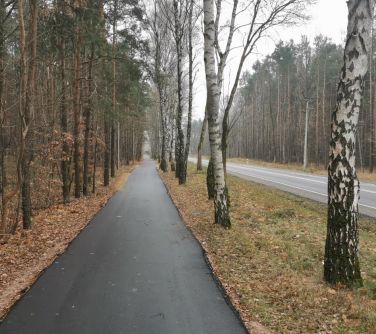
(299, 188)
(249, 169)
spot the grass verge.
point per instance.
(270, 262)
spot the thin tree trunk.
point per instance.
(112, 148)
(190, 93)
(179, 152)
(64, 120)
(323, 112)
(113, 132)
(88, 111)
(305, 160)
(317, 115)
(76, 109)
(371, 106)
(341, 262)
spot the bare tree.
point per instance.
(265, 15)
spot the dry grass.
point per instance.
(363, 175)
(24, 256)
(271, 260)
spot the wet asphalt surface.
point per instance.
(134, 269)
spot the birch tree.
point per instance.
(221, 210)
(341, 263)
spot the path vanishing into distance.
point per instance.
(134, 269)
(299, 183)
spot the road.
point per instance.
(299, 183)
(134, 269)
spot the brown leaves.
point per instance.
(270, 262)
(25, 255)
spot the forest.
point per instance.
(294, 83)
(73, 94)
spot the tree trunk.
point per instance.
(76, 109)
(107, 141)
(371, 106)
(64, 163)
(201, 141)
(323, 112)
(221, 212)
(179, 153)
(27, 104)
(113, 132)
(112, 148)
(317, 115)
(341, 263)
(190, 93)
(88, 111)
(305, 159)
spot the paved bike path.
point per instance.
(134, 269)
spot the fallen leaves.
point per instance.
(270, 262)
(24, 255)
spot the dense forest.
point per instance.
(73, 94)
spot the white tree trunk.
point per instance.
(341, 263)
(212, 105)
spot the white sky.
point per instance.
(328, 17)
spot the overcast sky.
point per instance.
(328, 17)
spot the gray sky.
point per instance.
(328, 17)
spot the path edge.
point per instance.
(218, 282)
(22, 291)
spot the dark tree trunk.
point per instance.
(201, 141)
(179, 151)
(107, 141)
(112, 149)
(88, 111)
(183, 178)
(210, 179)
(28, 112)
(64, 126)
(76, 108)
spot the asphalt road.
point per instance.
(301, 184)
(134, 269)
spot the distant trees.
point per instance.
(56, 93)
(179, 17)
(341, 262)
(269, 114)
(173, 72)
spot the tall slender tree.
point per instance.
(221, 210)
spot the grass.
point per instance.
(271, 260)
(363, 175)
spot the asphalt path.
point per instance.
(134, 269)
(299, 183)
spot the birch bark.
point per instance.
(213, 94)
(341, 263)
